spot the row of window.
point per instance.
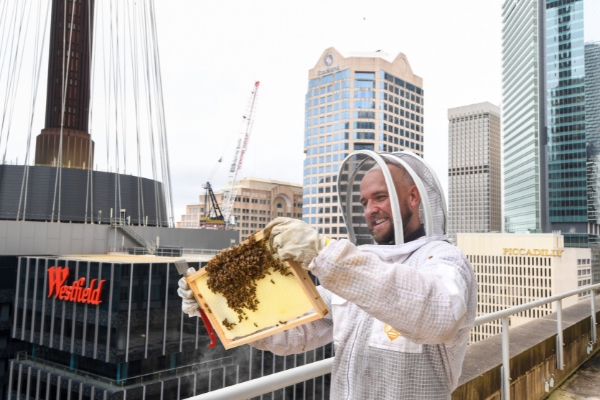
(360, 124)
(399, 121)
(342, 230)
(321, 200)
(328, 149)
(255, 201)
(327, 179)
(469, 118)
(249, 218)
(400, 92)
(361, 135)
(321, 170)
(345, 74)
(321, 210)
(399, 82)
(397, 110)
(320, 189)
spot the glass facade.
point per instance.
(592, 129)
(350, 110)
(565, 111)
(135, 344)
(551, 118)
(520, 116)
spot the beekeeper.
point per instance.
(402, 297)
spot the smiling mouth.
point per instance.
(379, 221)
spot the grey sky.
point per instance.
(213, 52)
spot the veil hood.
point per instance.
(432, 210)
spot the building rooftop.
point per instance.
(484, 106)
(369, 54)
(123, 258)
(247, 183)
(553, 234)
(583, 384)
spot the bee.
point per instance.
(272, 281)
(255, 325)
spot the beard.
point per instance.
(388, 236)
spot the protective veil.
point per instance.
(400, 314)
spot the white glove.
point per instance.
(295, 240)
(189, 305)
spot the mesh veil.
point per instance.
(434, 191)
(353, 171)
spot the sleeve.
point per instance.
(301, 338)
(426, 305)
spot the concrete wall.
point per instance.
(44, 238)
(532, 357)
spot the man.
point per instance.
(400, 313)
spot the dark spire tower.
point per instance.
(74, 72)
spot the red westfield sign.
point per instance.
(77, 292)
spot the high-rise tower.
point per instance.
(474, 169)
(355, 101)
(550, 65)
(69, 65)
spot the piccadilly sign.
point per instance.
(534, 252)
(76, 292)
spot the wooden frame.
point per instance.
(302, 278)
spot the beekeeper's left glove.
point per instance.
(295, 240)
(189, 305)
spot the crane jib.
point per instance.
(240, 151)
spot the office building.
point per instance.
(257, 202)
(550, 89)
(474, 169)
(355, 101)
(513, 269)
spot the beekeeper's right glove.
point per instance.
(189, 305)
(295, 240)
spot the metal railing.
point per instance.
(97, 380)
(164, 252)
(260, 386)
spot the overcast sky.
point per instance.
(213, 52)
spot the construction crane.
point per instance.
(213, 218)
(238, 159)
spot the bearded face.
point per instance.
(378, 211)
(381, 224)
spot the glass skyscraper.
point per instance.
(551, 137)
(355, 101)
(521, 116)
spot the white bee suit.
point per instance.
(400, 314)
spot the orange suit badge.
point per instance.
(391, 332)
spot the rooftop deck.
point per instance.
(583, 384)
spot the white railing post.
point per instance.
(593, 321)
(559, 336)
(505, 389)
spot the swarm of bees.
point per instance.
(235, 272)
(228, 325)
